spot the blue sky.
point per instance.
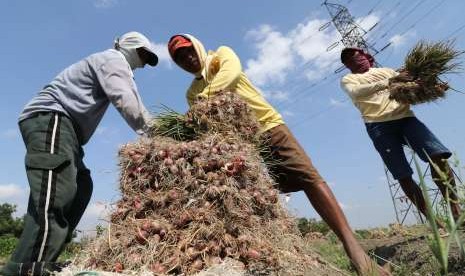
(281, 50)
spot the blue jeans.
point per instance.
(390, 137)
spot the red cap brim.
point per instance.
(177, 42)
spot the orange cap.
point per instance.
(176, 42)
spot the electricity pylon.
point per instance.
(352, 33)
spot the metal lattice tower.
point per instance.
(403, 207)
(352, 34)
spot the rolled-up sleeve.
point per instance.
(116, 80)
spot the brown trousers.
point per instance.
(293, 169)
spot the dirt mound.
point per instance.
(410, 254)
(189, 205)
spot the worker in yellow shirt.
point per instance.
(221, 70)
(392, 125)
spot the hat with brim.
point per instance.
(133, 40)
(153, 60)
(176, 42)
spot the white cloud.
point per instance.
(107, 134)
(11, 133)
(288, 113)
(400, 40)
(311, 45)
(95, 214)
(105, 3)
(382, 178)
(302, 51)
(368, 21)
(344, 206)
(96, 210)
(163, 54)
(397, 40)
(101, 130)
(315, 74)
(276, 95)
(15, 194)
(334, 102)
(10, 191)
(274, 56)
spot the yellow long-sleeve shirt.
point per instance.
(369, 93)
(226, 74)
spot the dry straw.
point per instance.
(425, 63)
(198, 197)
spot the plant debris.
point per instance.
(192, 198)
(425, 63)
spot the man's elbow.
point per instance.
(353, 94)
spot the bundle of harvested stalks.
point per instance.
(170, 123)
(425, 63)
(223, 114)
(189, 205)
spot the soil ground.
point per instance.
(402, 250)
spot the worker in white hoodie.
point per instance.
(54, 126)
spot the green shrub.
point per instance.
(71, 251)
(363, 234)
(8, 224)
(7, 245)
(312, 225)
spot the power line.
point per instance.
(302, 67)
(284, 103)
(459, 29)
(305, 119)
(330, 107)
(402, 18)
(423, 17)
(435, 7)
(327, 78)
(370, 11)
(368, 14)
(374, 7)
(346, 26)
(388, 55)
(305, 89)
(297, 91)
(383, 17)
(351, 33)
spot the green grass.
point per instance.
(440, 246)
(170, 123)
(8, 244)
(71, 251)
(331, 250)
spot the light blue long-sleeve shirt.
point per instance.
(84, 90)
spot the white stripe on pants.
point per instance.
(49, 188)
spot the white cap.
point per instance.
(134, 40)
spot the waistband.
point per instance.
(61, 114)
